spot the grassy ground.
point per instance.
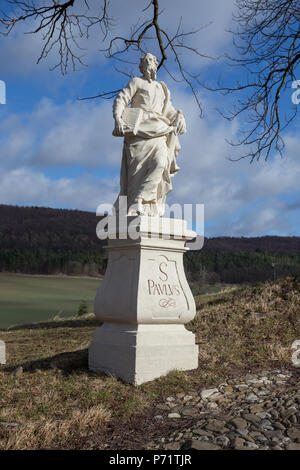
(59, 404)
(25, 299)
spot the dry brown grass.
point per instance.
(59, 404)
(55, 409)
(49, 433)
(249, 327)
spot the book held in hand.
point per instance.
(132, 118)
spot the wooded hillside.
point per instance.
(41, 240)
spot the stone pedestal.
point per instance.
(144, 302)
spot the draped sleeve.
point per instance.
(168, 109)
(171, 112)
(124, 98)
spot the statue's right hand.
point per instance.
(119, 128)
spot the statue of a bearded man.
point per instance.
(150, 128)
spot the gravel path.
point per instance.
(256, 411)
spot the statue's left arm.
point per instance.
(179, 122)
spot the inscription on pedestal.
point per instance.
(165, 290)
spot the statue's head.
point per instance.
(148, 66)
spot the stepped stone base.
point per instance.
(138, 354)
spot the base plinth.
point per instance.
(138, 354)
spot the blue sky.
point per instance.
(56, 151)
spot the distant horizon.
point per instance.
(91, 212)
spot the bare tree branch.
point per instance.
(59, 25)
(267, 40)
(62, 27)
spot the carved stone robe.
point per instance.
(149, 157)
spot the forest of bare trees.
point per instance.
(57, 241)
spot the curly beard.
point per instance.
(150, 73)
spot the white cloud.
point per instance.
(26, 187)
(76, 133)
(80, 134)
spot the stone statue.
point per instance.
(144, 299)
(150, 128)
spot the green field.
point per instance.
(27, 299)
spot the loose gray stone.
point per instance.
(216, 426)
(173, 415)
(251, 445)
(243, 433)
(172, 405)
(293, 446)
(239, 443)
(266, 424)
(278, 425)
(255, 381)
(258, 437)
(201, 432)
(172, 446)
(208, 392)
(274, 434)
(242, 387)
(215, 396)
(257, 408)
(188, 398)
(200, 445)
(294, 433)
(222, 441)
(205, 438)
(254, 419)
(162, 407)
(272, 422)
(262, 393)
(212, 406)
(293, 419)
(266, 381)
(286, 414)
(252, 398)
(189, 411)
(263, 415)
(239, 423)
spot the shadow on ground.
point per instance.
(68, 362)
